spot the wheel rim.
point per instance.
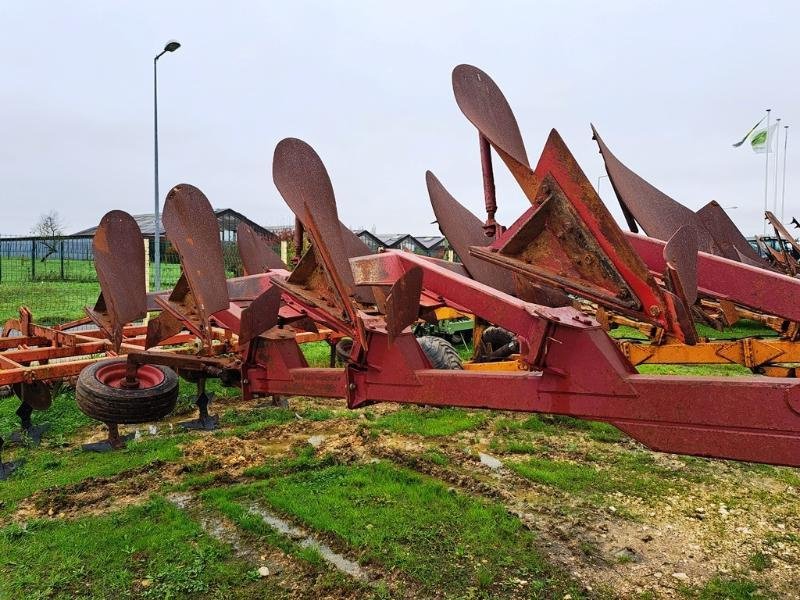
(113, 375)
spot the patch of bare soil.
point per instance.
(727, 520)
(98, 495)
(732, 522)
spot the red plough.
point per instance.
(568, 365)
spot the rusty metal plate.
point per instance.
(260, 315)
(555, 245)
(732, 244)
(354, 247)
(161, 328)
(482, 102)
(303, 181)
(119, 261)
(462, 229)
(680, 252)
(36, 394)
(193, 229)
(256, 255)
(402, 303)
(659, 215)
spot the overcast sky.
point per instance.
(669, 85)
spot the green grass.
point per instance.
(46, 468)
(446, 541)
(318, 354)
(695, 370)
(109, 556)
(429, 422)
(555, 425)
(632, 473)
(727, 589)
(743, 328)
(257, 419)
(51, 302)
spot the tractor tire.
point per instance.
(440, 353)
(343, 348)
(100, 396)
(498, 343)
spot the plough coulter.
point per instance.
(530, 280)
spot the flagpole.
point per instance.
(785, 144)
(766, 176)
(777, 162)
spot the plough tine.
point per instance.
(402, 303)
(256, 255)
(119, 261)
(192, 228)
(659, 215)
(260, 315)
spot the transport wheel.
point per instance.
(343, 348)
(101, 396)
(440, 353)
(497, 343)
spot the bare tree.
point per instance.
(48, 228)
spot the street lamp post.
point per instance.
(170, 46)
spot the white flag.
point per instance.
(761, 140)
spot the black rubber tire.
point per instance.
(115, 405)
(440, 352)
(496, 337)
(343, 348)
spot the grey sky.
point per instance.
(669, 85)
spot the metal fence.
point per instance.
(38, 259)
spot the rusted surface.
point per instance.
(730, 241)
(256, 255)
(782, 233)
(119, 261)
(36, 394)
(402, 303)
(192, 228)
(659, 215)
(261, 315)
(482, 102)
(680, 252)
(161, 328)
(462, 230)
(568, 239)
(303, 181)
(491, 228)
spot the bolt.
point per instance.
(352, 387)
(655, 311)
